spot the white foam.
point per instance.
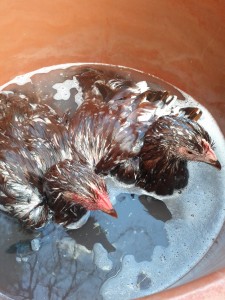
(72, 249)
(63, 90)
(101, 258)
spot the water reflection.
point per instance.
(90, 234)
(77, 262)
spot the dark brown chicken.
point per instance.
(40, 172)
(132, 133)
(52, 167)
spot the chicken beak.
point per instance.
(210, 156)
(216, 164)
(105, 205)
(112, 213)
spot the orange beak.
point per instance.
(112, 213)
(210, 156)
(216, 164)
(105, 205)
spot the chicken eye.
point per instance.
(189, 152)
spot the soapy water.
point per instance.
(148, 248)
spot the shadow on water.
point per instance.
(156, 208)
(90, 234)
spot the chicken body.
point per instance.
(34, 141)
(53, 167)
(131, 132)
